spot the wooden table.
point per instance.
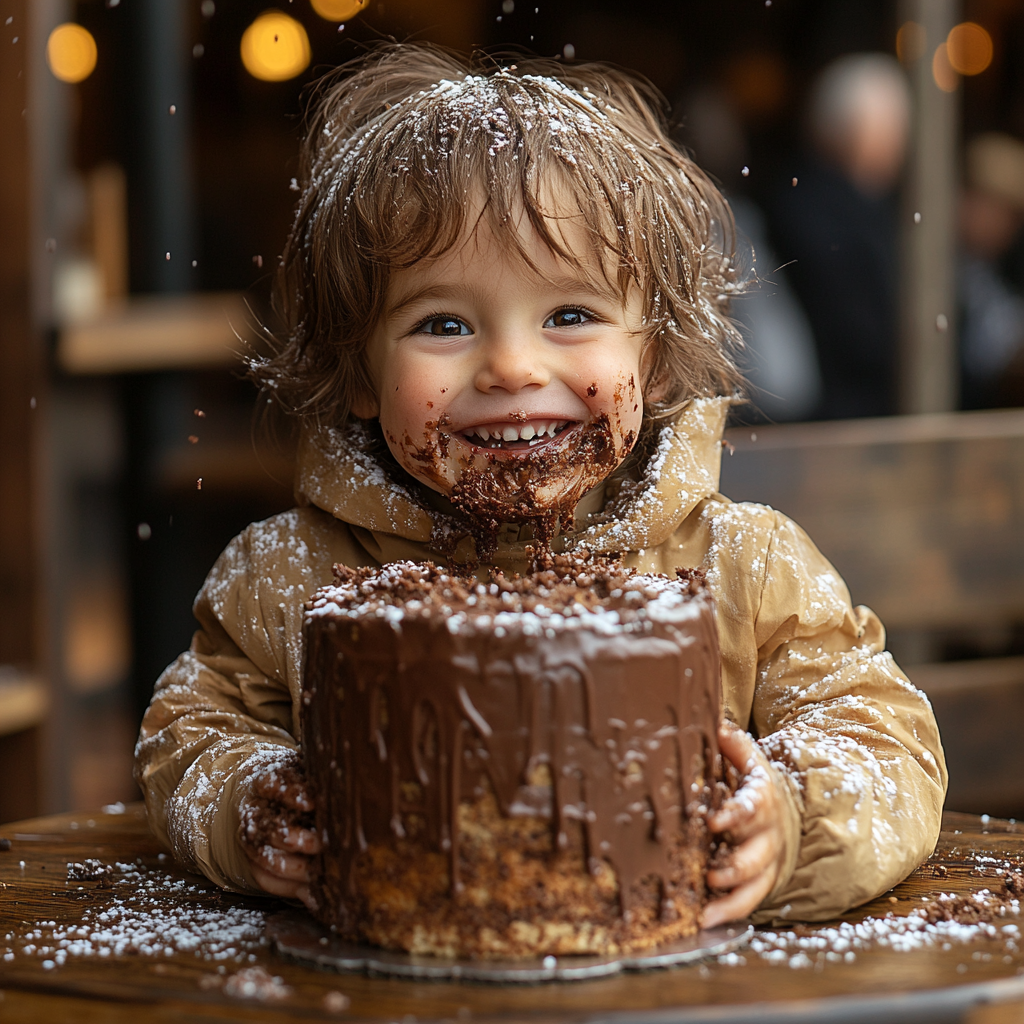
(978, 981)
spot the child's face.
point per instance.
(484, 364)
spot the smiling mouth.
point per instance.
(516, 436)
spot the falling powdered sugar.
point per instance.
(249, 983)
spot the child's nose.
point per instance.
(511, 364)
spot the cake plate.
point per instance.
(294, 934)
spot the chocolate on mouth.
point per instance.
(525, 436)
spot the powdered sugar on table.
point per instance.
(148, 913)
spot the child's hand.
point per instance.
(277, 834)
(752, 816)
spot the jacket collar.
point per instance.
(338, 473)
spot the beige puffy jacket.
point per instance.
(854, 745)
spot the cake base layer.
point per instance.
(297, 936)
(517, 897)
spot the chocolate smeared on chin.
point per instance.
(512, 767)
(508, 489)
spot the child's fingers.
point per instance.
(737, 745)
(736, 814)
(296, 840)
(282, 887)
(264, 826)
(286, 787)
(754, 808)
(291, 866)
(746, 862)
(739, 903)
(297, 798)
(750, 809)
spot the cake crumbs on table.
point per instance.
(943, 922)
(122, 925)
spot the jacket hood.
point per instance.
(337, 472)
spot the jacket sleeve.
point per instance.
(853, 742)
(225, 710)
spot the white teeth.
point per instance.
(532, 432)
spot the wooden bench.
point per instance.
(924, 518)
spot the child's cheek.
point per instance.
(624, 408)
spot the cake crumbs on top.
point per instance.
(578, 587)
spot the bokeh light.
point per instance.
(756, 82)
(339, 10)
(943, 72)
(911, 40)
(969, 48)
(71, 52)
(275, 47)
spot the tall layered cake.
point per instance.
(516, 767)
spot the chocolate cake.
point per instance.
(512, 767)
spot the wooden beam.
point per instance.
(20, 357)
(158, 332)
(928, 364)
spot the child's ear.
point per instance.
(366, 407)
(654, 390)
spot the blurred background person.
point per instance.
(837, 222)
(991, 219)
(779, 359)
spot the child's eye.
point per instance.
(443, 327)
(571, 316)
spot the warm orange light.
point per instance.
(71, 52)
(969, 48)
(910, 42)
(275, 47)
(756, 81)
(339, 10)
(943, 72)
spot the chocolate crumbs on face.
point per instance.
(508, 489)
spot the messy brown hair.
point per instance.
(398, 139)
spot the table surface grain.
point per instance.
(881, 983)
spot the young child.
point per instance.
(506, 300)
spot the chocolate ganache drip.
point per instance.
(579, 695)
